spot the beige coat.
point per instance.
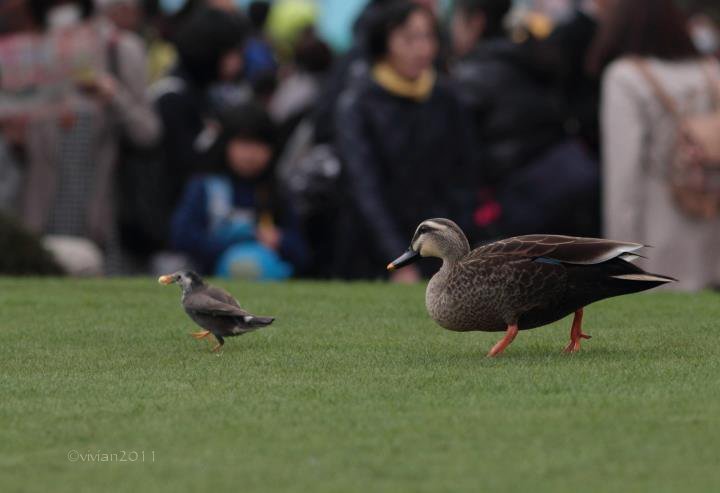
(638, 142)
(130, 110)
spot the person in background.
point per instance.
(564, 53)
(299, 91)
(354, 66)
(308, 169)
(15, 17)
(705, 34)
(405, 144)
(261, 64)
(126, 15)
(160, 19)
(639, 135)
(517, 115)
(209, 45)
(520, 136)
(234, 222)
(71, 156)
(349, 68)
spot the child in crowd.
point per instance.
(232, 222)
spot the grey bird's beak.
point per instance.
(165, 280)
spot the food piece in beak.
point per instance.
(406, 258)
(165, 280)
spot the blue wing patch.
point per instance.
(545, 260)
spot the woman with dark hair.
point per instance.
(353, 65)
(649, 62)
(404, 141)
(233, 221)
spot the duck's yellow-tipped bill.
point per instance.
(165, 280)
(406, 258)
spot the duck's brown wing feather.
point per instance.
(567, 249)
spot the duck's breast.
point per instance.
(459, 300)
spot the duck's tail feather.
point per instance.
(630, 257)
(615, 277)
(645, 277)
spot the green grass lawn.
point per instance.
(353, 389)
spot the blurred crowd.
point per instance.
(233, 138)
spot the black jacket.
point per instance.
(182, 110)
(405, 161)
(569, 45)
(518, 114)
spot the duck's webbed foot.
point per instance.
(510, 334)
(201, 334)
(576, 333)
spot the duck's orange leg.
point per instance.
(498, 348)
(576, 333)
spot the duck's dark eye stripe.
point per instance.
(424, 229)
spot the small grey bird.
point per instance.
(213, 309)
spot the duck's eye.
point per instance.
(424, 229)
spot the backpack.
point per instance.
(694, 171)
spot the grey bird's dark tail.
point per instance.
(252, 321)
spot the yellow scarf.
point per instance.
(394, 83)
